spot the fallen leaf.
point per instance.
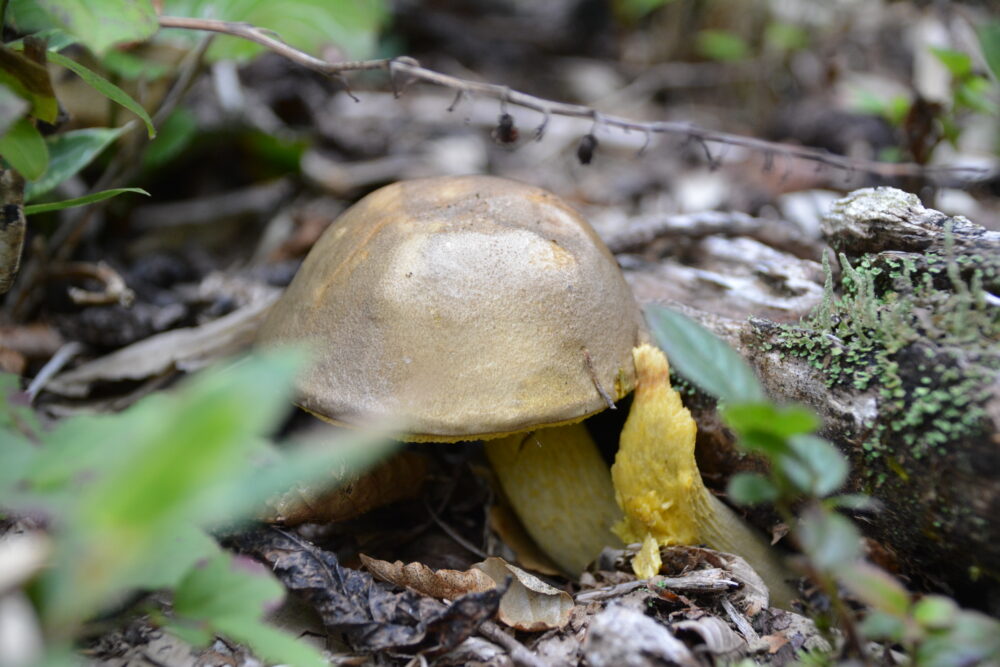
(447, 584)
(529, 604)
(715, 633)
(774, 642)
(349, 601)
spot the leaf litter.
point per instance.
(704, 602)
(370, 615)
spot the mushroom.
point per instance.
(480, 308)
(475, 308)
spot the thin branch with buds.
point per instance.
(405, 65)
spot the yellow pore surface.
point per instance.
(656, 478)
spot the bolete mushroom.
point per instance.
(474, 308)
(480, 308)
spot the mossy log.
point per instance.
(902, 361)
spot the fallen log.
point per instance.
(901, 359)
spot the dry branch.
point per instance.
(405, 66)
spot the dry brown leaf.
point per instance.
(529, 604)
(774, 642)
(447, 584)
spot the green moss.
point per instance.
(924, 338)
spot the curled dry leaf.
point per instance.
(715, 633)
(447, 584)
(529, 604)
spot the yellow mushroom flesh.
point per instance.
(660, 490)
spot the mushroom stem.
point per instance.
(660, 490)
(560, 488)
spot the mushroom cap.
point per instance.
(460, 308)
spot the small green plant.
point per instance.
(924, 124)
(53, 29)
(129, 500)
(807, 471)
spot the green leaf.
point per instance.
(989, 41)
(897, 108)
(935, 612)
(879, 626)
(814, 465)
(128, 66)
(351, 25)
(722, 45)
(226, 587)
(768, 428)
(747, 488)
(34, 209)
(24, 149)
(272, 644)
(29, 80)
(974, 639)
(876, 587)
(100, 24)
(830, 540)
(702, 358)
(973, 93)
(785, 36)
(958, 63)
(12, 108)
(784, 421)
(129, 489)
(129, 494)
(71, 152)
(230, 596)
(106, 88)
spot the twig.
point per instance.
(410, 67)
(62, 357)
(518, 652)
(453, 534)
(115, 290)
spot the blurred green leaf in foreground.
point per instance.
(128, 497)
